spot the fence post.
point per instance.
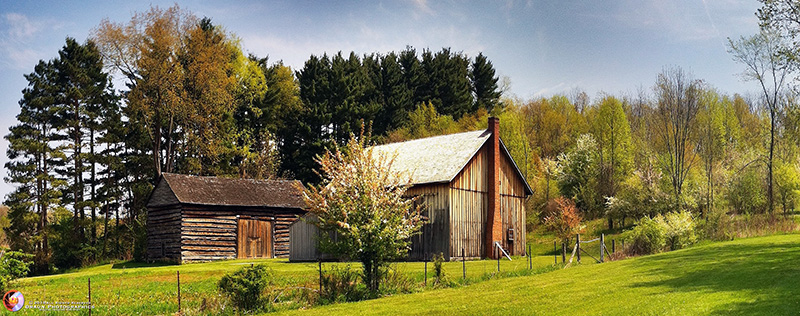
(319, 261)
(463, 264)
(578, 245)
(530, 258)
(555, 253)
(179, 292)
(613, 245)
(563, 253)
(90, 296)
(425, 260)
(602, 245)
(497, 254)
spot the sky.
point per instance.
(542, 48)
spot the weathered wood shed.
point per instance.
(474, 194)
(191, 218)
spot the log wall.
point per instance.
(164, 233)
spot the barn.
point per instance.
(473, 192)
(192, 218)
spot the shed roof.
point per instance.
(234, 192)
(439, 159)
(434, 159)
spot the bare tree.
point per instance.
(766, 62)
(677, 105)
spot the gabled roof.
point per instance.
(434, 159)
(232, 192)
(439, 159)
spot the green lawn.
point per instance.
(146, 289)
(747, 276)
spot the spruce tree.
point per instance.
(484, 83)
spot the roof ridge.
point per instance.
(430, 137)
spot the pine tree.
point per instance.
(484, 83)
(33, 155)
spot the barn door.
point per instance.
(254, 238)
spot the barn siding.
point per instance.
(435, 235)
(512, 206)
(303, 239)
(469, 198)
(163, 233)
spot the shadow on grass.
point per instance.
(764, 275)
(140, 264)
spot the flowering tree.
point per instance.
(360, 202)
(563, 218)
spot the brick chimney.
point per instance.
(494, 223)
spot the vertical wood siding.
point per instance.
(469, 200)
(435, 236)
(512, 206)
(303, 239)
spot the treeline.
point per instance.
(84, 156)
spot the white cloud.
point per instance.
(16, 43)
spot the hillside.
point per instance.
(747, 276)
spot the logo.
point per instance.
(13, 300)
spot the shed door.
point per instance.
(254, 238)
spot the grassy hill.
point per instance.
(746, 276)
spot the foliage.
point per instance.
(13, 265)
(746, 193)
(439, 276)
(361, 200)
(578, 174)
(563, 218)
(648, 236)
(341, 284)
(679, 228)
(245, 287)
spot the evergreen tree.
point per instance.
(449, 82)
(33, 155)
(484, 84)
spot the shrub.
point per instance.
(245, 287)
(341, 284)
(13, 265)
(679, 228)
(397, 282)
(563, 218)
(438, 272)
(646, 237)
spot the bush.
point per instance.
(13, 265)
(563, 218)
(341, 284)
(679, 228)
(438, 272)
(245, 287)
(646, 237)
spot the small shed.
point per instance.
(472, 191)
(192, 218)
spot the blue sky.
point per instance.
(542, 47)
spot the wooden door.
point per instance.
(254, 238)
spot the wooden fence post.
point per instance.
(425, 260)
(497, 254)
(90, 296)
(563, 253)
(179, 292)
(530, 258)
(602, 245)
(613, 246)
(555, 253)
(463, 264)
(578, 245)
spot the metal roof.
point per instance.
(234, 192)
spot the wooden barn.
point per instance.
(191, 218)
(474, 196)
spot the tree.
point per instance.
(33, 154)
(362, 202)
(563, 218)
(678, 104)
(577, 178)
(613, 135)
(765, 62)
(717, 133)
(484, 84)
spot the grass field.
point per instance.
(144, 289)
(755, 276)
